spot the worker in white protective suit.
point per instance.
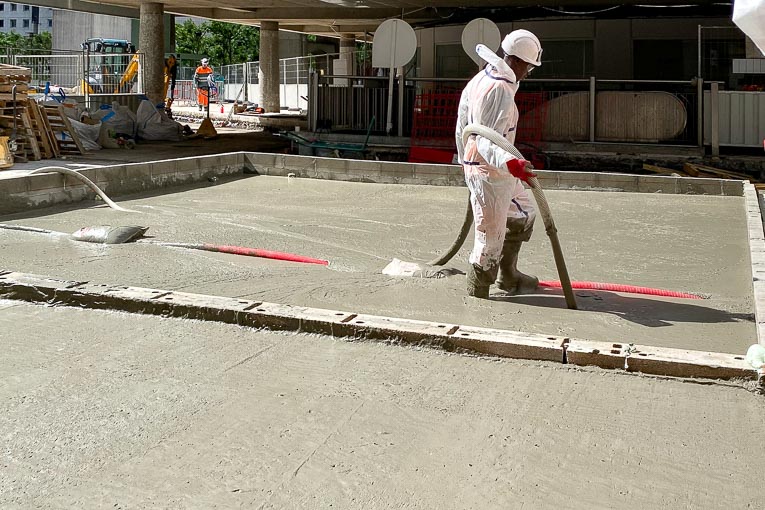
(503, 212)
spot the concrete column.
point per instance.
(151, 37)
(268, 74)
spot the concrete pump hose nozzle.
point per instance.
(544, 207)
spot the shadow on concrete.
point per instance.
(653, 312)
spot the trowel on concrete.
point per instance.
(398, 267)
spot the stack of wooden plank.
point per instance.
(35, 132)
(697, 170)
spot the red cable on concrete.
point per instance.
(615, 287)
(249, 252)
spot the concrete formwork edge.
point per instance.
(754, 221)
(27, 192)
(387, 172)
(757, 256)
(495, 342)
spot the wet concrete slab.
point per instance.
(103, 409)
(679, 242)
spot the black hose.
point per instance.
(455, 247)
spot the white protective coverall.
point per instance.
(489, 100)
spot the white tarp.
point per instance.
(749, 15)
(154, 124)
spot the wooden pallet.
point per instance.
(49, 132)
(26, 136)
(42, 132)
(14, 74)
(66, 138)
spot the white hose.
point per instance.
(544, 207)
(88, 182)
(501, 141)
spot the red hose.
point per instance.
(615, 287)
(241, 250)
(268, 254)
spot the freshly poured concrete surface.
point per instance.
(677, 242)
(102, 409)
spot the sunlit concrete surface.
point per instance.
(111, 410)
(678, 242)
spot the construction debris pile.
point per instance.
(31, 130)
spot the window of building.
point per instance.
(26, 23)
(2, 23)
(13, 23)
(26, 7)
(453, 62)
(566, 59)
(2, 6)
(13, 7)
(672, 60)
(50, 23)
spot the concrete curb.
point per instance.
(26, 192)
(757, 256)
(501, 343)
(386, 172)
(754, 221)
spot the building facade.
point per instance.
(25, 19)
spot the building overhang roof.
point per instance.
(357, 17)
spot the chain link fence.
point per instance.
(241, 81)
(70, 71)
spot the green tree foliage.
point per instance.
(223, 43)
(36, 43)
(189, 37)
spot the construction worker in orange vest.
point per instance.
(202, 81)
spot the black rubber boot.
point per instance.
(510, 279)
(479, 280)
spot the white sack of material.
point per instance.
(154, 124)
(749, 15)
(88, 134)
(118, 119)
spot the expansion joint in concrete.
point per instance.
(452, 337)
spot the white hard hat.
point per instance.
(205, 61)
(524, 45)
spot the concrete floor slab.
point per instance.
(104, 409)
(678, 242)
